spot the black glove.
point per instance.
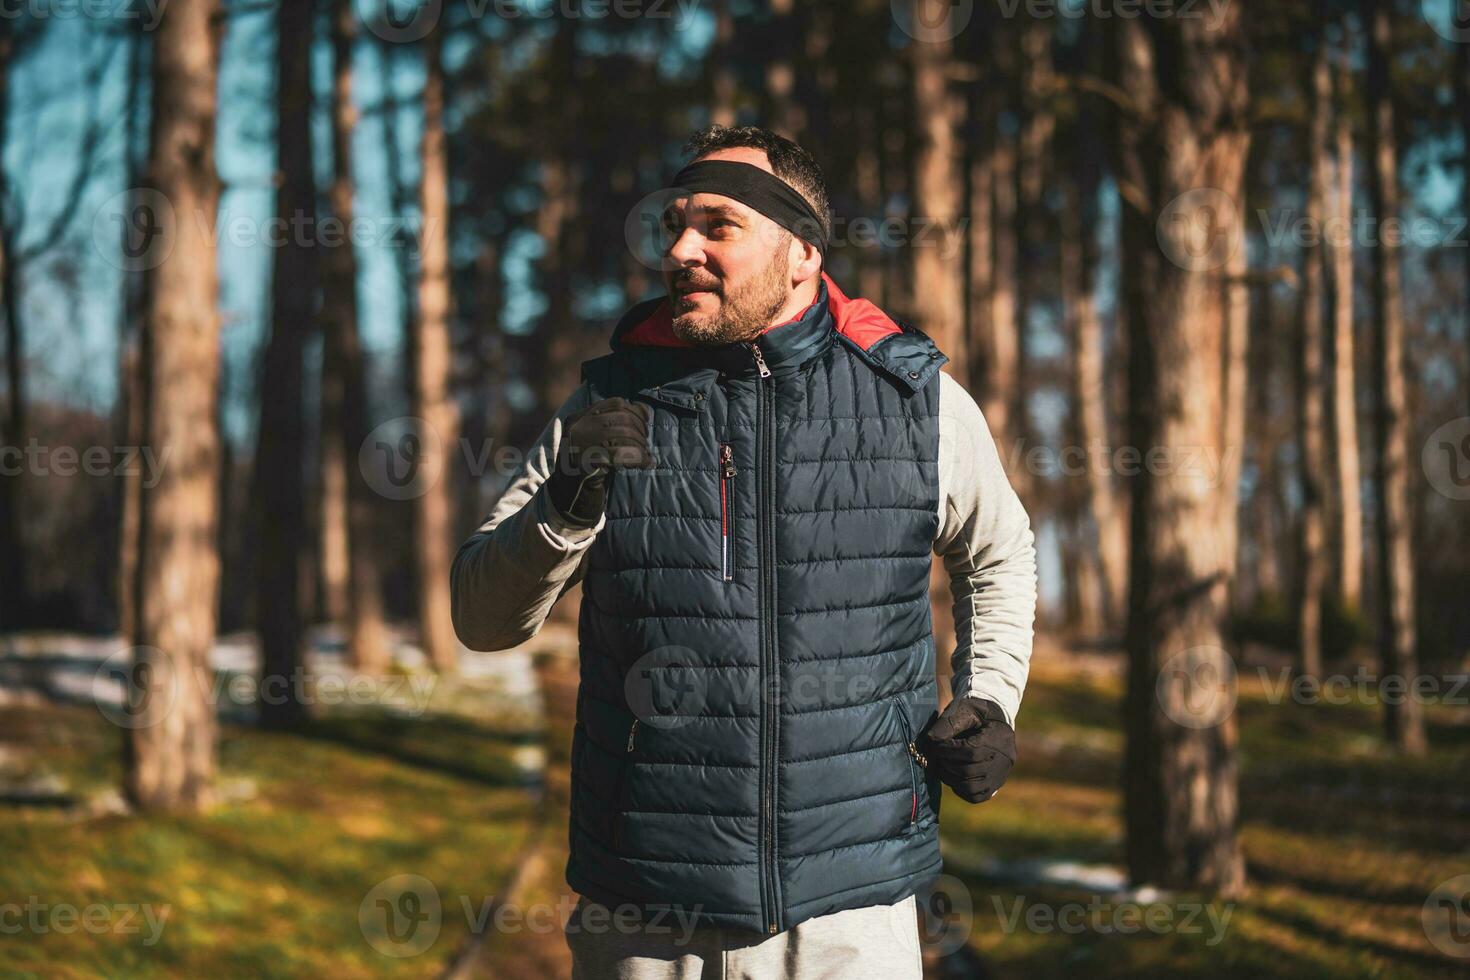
(604, 435)
(971, 747)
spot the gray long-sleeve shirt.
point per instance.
(511, 571)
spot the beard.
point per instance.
(742, 313)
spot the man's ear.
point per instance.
(806, 261)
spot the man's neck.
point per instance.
(801, 297)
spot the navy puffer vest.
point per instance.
(756, 649)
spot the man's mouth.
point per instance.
(694, 292)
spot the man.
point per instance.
(749, 488)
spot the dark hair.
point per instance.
(788, 161)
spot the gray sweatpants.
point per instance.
(879, 941)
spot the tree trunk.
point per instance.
(1397, 640)
(280, 492)
(1185, 129)
(1311, 388)
(783, 110)
(1105, 545)
(130, 399)
(939, 272)
(171, 744)
(13, 582)
(1000, 398)
(723, 83)
(1344, 369)
(433, 363)
(345, 415)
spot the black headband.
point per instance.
(758, 189)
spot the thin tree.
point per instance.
(1311, 388)
(432, 364)
(348, 500)
(1347, 471)
(1397, 635)
(170, 751)
(1180, 142)
(1106, 544)
(279, 461)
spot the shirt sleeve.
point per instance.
(510, 572)
(989, 553)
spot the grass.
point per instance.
(1344, 840)
(1344, 843)
(269, 885)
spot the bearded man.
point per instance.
(749, 488)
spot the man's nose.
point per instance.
(688, 248)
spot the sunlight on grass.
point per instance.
(270, 885)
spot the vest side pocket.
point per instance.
(914, 762)
(618, 785)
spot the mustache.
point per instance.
(685, 282)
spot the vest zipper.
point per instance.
(915, 756)
(727, 511)
(765, 413)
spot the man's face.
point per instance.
(728, 269)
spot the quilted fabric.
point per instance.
(756, 645)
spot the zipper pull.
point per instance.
(631, 733)
(727, 460)
(760, 361)
(918, 756)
